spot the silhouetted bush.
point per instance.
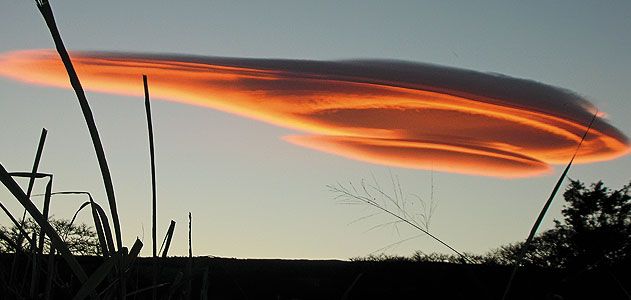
(595, 230)
(80, 238)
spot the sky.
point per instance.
(254, 194)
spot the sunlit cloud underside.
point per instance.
(391, 113)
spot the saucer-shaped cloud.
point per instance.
(385, 112)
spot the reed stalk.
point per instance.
(167, 239)
(38, 157)
(47, 13)
(154, 212)
(542, 213)
(133, 253)
(189, 267)
(42, 235)
(98, 225)
(153, 166)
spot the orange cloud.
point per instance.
(385, 112)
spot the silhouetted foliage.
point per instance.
(420, 256)
(597, 223)
(595, 230)
(548, 249)
(80, 238)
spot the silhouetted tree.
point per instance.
(80, 238)
(596, 229)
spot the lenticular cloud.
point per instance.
(385, 112)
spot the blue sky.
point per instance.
(254, 195)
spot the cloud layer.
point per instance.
(385, 112)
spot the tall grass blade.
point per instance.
(47, 13)
(98, 225)
(42, 235)
(38, 156)
(153, 166)
(133, 253)
(154, 203)
(45, 212)
(167, 239)
(535, 227)
(28, 175)
(55, 240)
(74, 217)
(106, 228)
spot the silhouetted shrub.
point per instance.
(80, 238)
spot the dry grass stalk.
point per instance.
(166, 243)
(38, 157)
(133, 254)
(535, 226)
(45, 212)
(369, 193)
(47, 13)
(189, 267)
(154, 212)
(153, 167)
(42, 235)
(31, 183)
(97, 225)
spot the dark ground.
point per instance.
(333, 279)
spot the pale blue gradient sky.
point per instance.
(253, 195)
